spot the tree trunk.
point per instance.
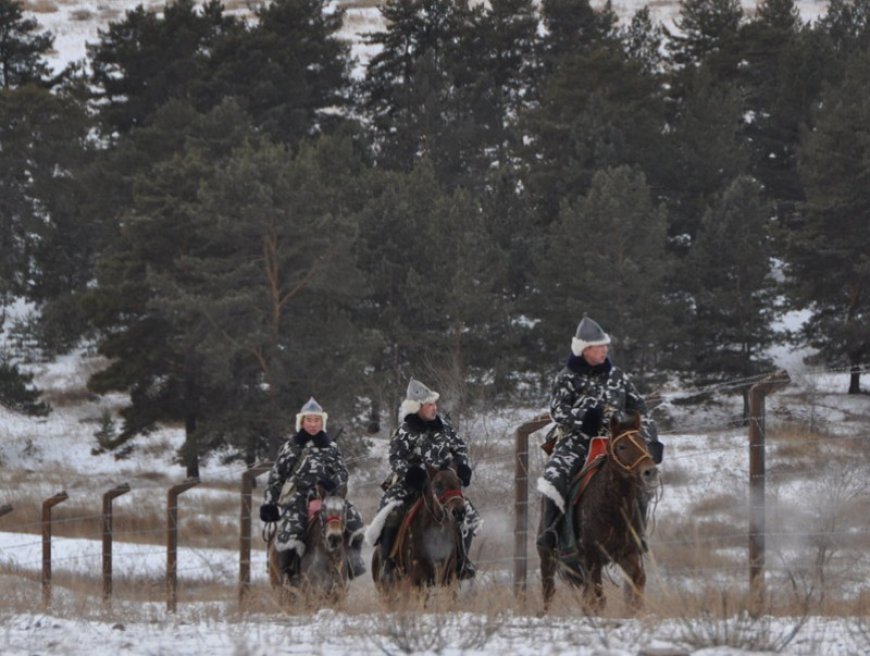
(191, 456)
(855, 380)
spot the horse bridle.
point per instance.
(635, 438)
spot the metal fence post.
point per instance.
(172, 541)
(521, 500)
(757, 519)
(107, 537)
(248, 478)
(47, 505)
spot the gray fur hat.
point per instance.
(311, 408)
(588, 334)
(416, 395)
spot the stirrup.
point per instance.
(548, 538)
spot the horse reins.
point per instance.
(632, 436)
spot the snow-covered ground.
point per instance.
(816, 488)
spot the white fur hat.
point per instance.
(588, 334)
(416, 395)
(311, 408)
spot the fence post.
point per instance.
(46, 544)
(172, 541)
(248, 478)
(757, 394)
(5, 509)
(107, 537)
(521, 500)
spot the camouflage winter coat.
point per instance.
(308, 460)
(419, 442)
(580, 386)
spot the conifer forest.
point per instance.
(238, 214)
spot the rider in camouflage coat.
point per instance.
(305, 460)
(424, 438)
(589, 388)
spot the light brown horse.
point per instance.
(607, 519)
(323, 568)
(427, 547)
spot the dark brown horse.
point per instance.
(323, 568)
(607, 520)
(427, 546)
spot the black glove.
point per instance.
(269, 513)
(464, 473)
(591, 424)
(328, 486)
(656, 450)
(416, 477)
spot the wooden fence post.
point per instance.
(107, 537)
(521, 500)
(757, 394)
(47, 505)
(248, 478)
(172, 541)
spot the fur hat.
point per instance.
(588, 334)
(311, 408)
(416, 395)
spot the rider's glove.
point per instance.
(327, 485)
(269, 513)
(464, 473)
(416, 477)
(592, 420)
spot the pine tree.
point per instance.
(732, 287)
(416, 90)
(829, 246)
(597, 111)
(706, 152)
(22, 49)
(147, 59)
(46, 240)
(152, 347)
(274, 280)
(606, 256)
(708, 31)
(289, 70)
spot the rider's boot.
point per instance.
(357, 566)
(465, 569)
(549, 535)
(388, 563)
(288, 561)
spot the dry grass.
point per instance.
(40, 6)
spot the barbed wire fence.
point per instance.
(497, 508)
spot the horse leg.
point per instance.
(635, 582)
(594, 589)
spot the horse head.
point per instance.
(447, 489)
(330, 506)
(628, 450)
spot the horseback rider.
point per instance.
(307, 459)
(423, 438)
(585, 392)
